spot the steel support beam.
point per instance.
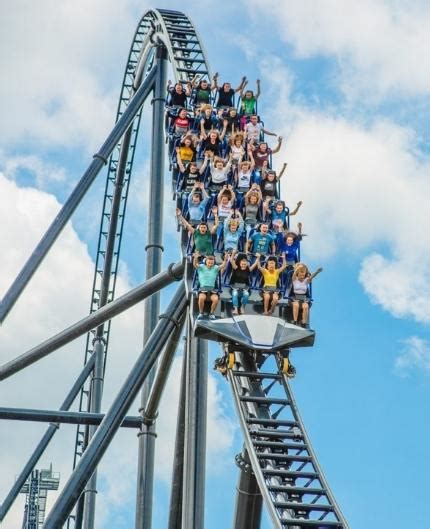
(114, 308)
(175, 511)
(116, 413)
(63, 417)
(99, 160)
(154, 249)
(43, 443)
(151, 410)
(96, 392)
(249, 501)
(195, 432)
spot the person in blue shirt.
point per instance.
(233, 229)
(278, 214)
(262, 242)
(197, 201)
(207, 273)
(289, 244)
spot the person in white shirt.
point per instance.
(254, 129)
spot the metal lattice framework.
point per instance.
(278, 465)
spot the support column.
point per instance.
(175, 510)
(90, 491)
(249, 501)
(195, 433)
(154, 249)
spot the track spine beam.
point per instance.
(290, 479)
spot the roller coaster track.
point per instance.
(281, 458)
(289, 476)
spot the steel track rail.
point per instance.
(290, 478)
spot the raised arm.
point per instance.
(184, 223)
(266, 206)
(216, 218)
(233, 259)
(242, 90)
(215, 81)
(179, 160)
(282, 171)
(296, 209)
(204, 164)
(196, 256)
(278, 147)
(224, 263)
(284, 263)
(224, 129)
(188, 89)
(202, 129)
(317, 271)
(241, 86)
(258, 92)
(268, 132)
(257, 262)
(233, 194)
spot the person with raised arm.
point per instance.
(226, 92)
(255, 129)
(299, 294)
(233, 229)
(240, 281)
(270, 291)
(202, 234)
(269, 181)
(177, 95)
(262, 153)
(251, 210)
(207, 273)
(197, 200)
(248, 103)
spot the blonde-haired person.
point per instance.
(300, 282)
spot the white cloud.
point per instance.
(64, 63)
(415, 355)
(41, 173)
(400, 286)
(380, 47)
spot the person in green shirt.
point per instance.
(202, 234)
(248, 103)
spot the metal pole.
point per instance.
(175, 511)
(43, 443)
(150, 412)
(249, 501)
(147, 433)
(100, 159)
(96, 393)
(110, 310)
(154, 248)
(63, 417)
(116, 413)
(195, 433)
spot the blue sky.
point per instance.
(348, 88)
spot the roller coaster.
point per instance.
(278, 465)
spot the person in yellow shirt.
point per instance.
(270, 282)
